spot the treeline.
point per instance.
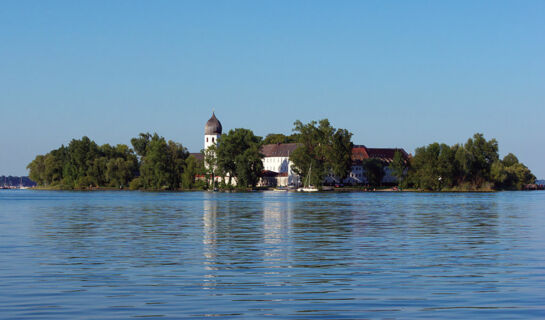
(475, 165)
(154, 164)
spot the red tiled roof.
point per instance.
(279, 149)
(386, 154)
(360, 152)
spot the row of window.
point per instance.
(274, 160)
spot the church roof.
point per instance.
(279, 149)
(361, 152)
(385, 154)
(213, 126)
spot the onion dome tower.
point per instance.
(212, 131)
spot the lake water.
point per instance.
(117, 255)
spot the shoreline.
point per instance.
(337, 190)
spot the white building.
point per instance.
(277, 165)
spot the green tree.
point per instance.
(523, 175)
(476, 159)
(433, 167)
(339, 157)
(191, 169)
(119, 172)
(211, 165)
(178, 154)
(323, 150)
(96, 172)
(140, 143)
(509, 173)
(398, 167)
(36, 170)
(161, 162)
(373, 171)
(274, 138)
(249, 166)
(499, 175)
(238, 154)
(509, 160)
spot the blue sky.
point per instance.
(395, 73)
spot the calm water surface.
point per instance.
(115, 255)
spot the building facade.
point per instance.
(277, 165)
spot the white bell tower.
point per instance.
(212, 131)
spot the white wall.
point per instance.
(210, 139)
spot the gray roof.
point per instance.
(213, 126)
(279, 149)
(199, 156)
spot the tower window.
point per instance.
(212, 139)
(206, 139)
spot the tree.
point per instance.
(509, 173)
(249, 166)
(273, 138)
(476, 158)
(162, 162)
(96, 174)
(37, 170)
(433, 167)
(119, 172)
(191, 169)
(178, 154)
(398, 167)
(140, 143)
(339, 158)
(323, 150)
(81, 155)
(238, 156)
(373, 171)
(509, 160)
(211, 164)
(472, 165)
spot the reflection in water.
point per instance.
(277, 220)
(282, 255)
(209, 224)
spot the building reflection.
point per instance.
(246, 236)
(209, 240)
(277, 227)
(210, 231)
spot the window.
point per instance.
(206, 139)
(212, 139)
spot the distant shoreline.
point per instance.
(339, 190)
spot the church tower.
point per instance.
(212, 131)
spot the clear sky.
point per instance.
(395, 73)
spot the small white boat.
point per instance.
(307, 187)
